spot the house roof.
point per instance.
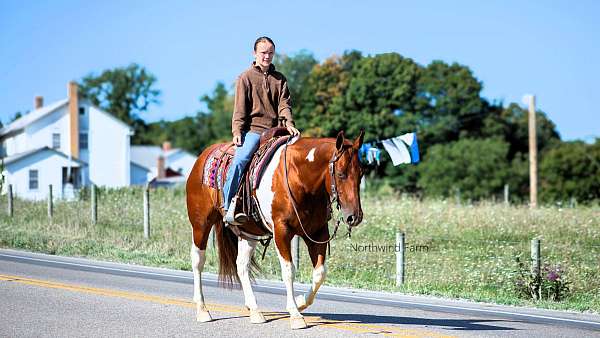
(20, 156)
(146, 156)
(37, 114)
(33, 116)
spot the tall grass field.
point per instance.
(452, 250)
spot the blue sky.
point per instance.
(549, 48)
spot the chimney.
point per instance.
(160, 168)
(38, 102)
(166, 146)
(73, 117)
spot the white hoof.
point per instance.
(297, 323)
(256, 317)
(202, 314)
(301, 302)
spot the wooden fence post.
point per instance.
(94, 201)
(296, 252)
(536, 262)
(457, 196)
(50, 206)
(10, 200)
(506, 196)
(532, 152)
(399, 258)
(146, 212)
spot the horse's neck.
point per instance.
(312, 159)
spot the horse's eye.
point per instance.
(341, 176)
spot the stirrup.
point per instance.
(237, 219)
(231, 217)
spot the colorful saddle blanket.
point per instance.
(216, 166)
(218, 162)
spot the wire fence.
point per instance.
(387, 253)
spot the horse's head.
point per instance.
(345, 175)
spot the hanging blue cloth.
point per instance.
(363, 151)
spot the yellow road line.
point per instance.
(316, 321)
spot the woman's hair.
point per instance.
(263, 39)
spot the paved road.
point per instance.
(49, 296)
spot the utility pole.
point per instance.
(530, 101)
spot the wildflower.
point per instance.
(552, 276)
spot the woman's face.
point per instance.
(263, 56)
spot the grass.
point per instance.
(455, 251)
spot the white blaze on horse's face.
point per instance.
(311, 155)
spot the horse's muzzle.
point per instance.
(353, 219)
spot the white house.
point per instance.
(30, 170)
(69, 144)
(151, 163)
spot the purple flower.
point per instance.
(552, 276)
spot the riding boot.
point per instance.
(231, 217)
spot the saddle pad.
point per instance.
(259, 166)
(216, 166)
(219, 160)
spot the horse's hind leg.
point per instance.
(317, 256)
(200, 232)
(244, 257)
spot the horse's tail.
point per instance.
(227, 242)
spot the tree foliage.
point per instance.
(571, 170)
(296, 68)
(125, 92)
(476, 168)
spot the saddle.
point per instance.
(219, 160)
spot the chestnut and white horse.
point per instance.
(294, 196)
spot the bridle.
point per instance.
(335, 198)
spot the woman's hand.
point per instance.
(237, 140)
(293, 131)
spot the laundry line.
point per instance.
(402, 149)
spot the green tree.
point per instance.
(448, 102)
(512, 124)
(326, 83)
(183, 133)
(125, 92)
(296, 68)
(381, 88)
(477, 167)
(571, 169)
(218, 117)
(17, 116)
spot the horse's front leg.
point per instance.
(317, 256)
(283, 245)
(244, 258)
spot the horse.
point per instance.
(295, 197)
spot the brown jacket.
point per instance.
(260, 100)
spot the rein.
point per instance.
(334, 192)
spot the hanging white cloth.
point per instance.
(402, 149)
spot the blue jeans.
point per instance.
(243, 155)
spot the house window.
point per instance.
(33, 179)
(81, 110)
(55, 141)
(83, 140)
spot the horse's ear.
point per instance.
(359, 140)
(339, 142)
